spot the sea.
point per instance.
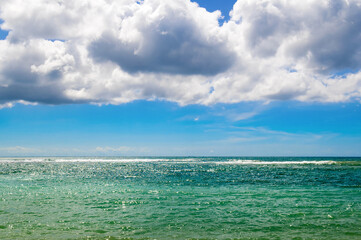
(180, 198)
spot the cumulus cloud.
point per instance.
(324, 35)
(109, 51)
(177, 38)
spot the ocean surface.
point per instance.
(180, 198)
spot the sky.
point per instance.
(180, 78)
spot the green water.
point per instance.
(180, 198)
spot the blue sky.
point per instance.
(3, 33)
(228, 91)
(213, 5)
(164, 128)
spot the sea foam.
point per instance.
(257, 162)
(155, 160)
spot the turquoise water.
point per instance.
(180, 198)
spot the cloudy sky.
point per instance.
(180, 77)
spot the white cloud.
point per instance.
(6, 105)
(125, 150)
(18, 150)
(119, 51)
(174, 37)
(120, 149)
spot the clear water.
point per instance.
(180, 198)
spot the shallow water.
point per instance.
(180, 198)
